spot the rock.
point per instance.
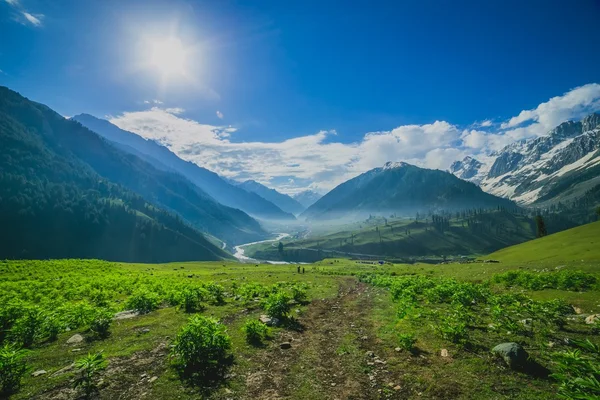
(64, 370)
(126, 314)
(152, 379)
(397, 387)
(398, 349)
(285, 345)
(513, 354)
(444, 353)
(577, 310)
(265, 319)
(39, 372)
(145, 330)
(370, 354)
(77, 338)
(592, 319)
(75, 350)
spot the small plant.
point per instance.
(577, 371)
(216, 292)
(299, 293)
(89, 367)
(201, 346)
(407, 341)
(52, 327)
(255, 331)
(143, 301)
(191, 299)
(453, 328)
(12, 368)
(277, 305)
(100, 325)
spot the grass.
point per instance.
(581, 244)
(403, 238)
(330, 333)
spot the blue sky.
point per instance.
(267, 78)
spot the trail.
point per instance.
(327, 359)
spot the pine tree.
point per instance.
(540, 226)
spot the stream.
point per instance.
(239, 251)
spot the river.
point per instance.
(239, 250)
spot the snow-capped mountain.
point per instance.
(560, 165)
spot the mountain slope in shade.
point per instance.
(307, 198)
(162, 158)
(55, 205)
(283, 201)
(559, 166)
(403, 189)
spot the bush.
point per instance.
(27, 329)
(406, 341)
(577, 371)
(100, 325)
(52, 327)
(201, 346)
(277, 305)
(12, 368)
(255, 331)
(89, 367)
(216, 293)
(143, 301)
(191, 299)
(299, 293)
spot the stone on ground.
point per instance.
(513, 354)
(39, 372)
(77, 338)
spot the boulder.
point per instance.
(126, 314)
(513, 354)
(592, 319)
(265, 319)
(77, 338)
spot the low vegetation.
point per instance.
(426, 329)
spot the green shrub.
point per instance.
(52, 326)
(201, 346)
(406, 341)
(299, 292)
(78, 315)
(27, 329)
(12, 368)
(255, 331)
(577, 371)
(101, 323)
(216, 293)
(277, 305)
(143, 301)
(88, 369)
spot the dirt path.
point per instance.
(328, 359)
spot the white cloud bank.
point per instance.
(310, 161)
(23, 16)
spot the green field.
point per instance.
(364, 331)
(404, 239)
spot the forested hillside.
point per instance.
(54, 205)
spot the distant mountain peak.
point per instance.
(394, 165)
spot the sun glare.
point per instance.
(168, 56)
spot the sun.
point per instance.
(168, 56)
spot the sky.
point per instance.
(307, 94)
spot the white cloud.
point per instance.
(13, 2)
(312, 161)
(219, 114)
(35, 20)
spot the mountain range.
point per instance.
(67, 192)
(163, 159)
(403, 189)
(560, 166)
(283, 201)
(307, 198)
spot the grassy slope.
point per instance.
(343, 321)
(391, 240)
(581, 243)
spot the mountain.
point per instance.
(56, 204)
(560, 166)
(468, 169)
(307, 198)
(163, 159)
(402, 188)
(283, 201)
